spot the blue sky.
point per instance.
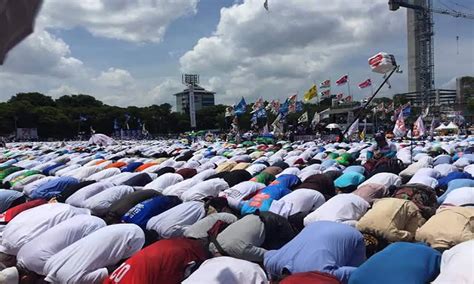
(128, 52)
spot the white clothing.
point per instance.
(301, 200)
(199, 229)
(345, 208)
(240, 191)
(445, 169)
(100, 202)
(457, 265)
(33, 222)
(385, 179)
(164, 181)
(33, 255)
(85, 261)
(14, 175)
(228, 270)
(104, 174)
(204, 189)
(67, 169)
(204, 174)
(120, 178)
(19, 185)
(289, 171)
(77, 198)
(180, 187)
(460, 196)
(425, 180)
(83, 172)
(174, 221)
(254, 169)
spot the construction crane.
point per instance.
(420, 42)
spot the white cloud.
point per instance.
(43, 54)
(62, 90)
(135, 21)
(115, 78)
(273, 54)
(163, 93)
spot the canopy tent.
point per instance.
(441, 127)
(333, 126)
(101, 139)
(452, 126)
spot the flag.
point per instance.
(339, 96)
(144, 130)
(365, 84)
(240, 107)
(426, 112)
(299, 106)
(278, 124)
(400, 129)
(92, 130)
(348, 99)
(261, 113)
(303, 118)
(311, 93)
(325, 84)
(362, 134)
(265, 5)
(257, 105)
(325, 93)
(406, 110)
(116, 124)
(354, 128)
(325, 113)
(229, 111)
(127, 118)
(292, 103)
(341, 81)
(284, 108)
(82, 118)
(275, 106)
(419, 127)
(432, 126)
(380, 107)
(316, 119)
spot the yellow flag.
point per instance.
(311, 93)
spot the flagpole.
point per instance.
(371, 87)
(348, 85)
(372, 97)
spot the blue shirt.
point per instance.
(131, 167)
(455, 184)
(52, 188)
(7, 196)
(452, 176)
(348, 179)
(322, 246)
(399, 263)
(276, 190)
(50, 168)
(144, 211)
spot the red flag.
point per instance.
(348, 99)
(342, 80)
(325, 93)
(325, 84)
(365, 84)
(339, 96)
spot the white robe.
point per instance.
(85, 261)
(33, 255)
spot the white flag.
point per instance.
(354, 128)
(316, 119)
(303, 118)
(400, 129)
(277, 125)
(419, 127)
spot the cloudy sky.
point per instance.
(133, 52)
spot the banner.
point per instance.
(325, 84)
(343, 80)
(400, 129)
(365, 84)
(311, 93)
(303, 118)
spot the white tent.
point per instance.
(441, 127)
(101, 139)
(452, 125)
(333, 126)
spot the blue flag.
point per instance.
(261, 113)
(240, 108)
(284, 108)
(299, 106)
(406, 111)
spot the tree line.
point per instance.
(61, 118)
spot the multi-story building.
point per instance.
(202, 98)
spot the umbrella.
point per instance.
(333, 126)
(101, 139)
(16, 22)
